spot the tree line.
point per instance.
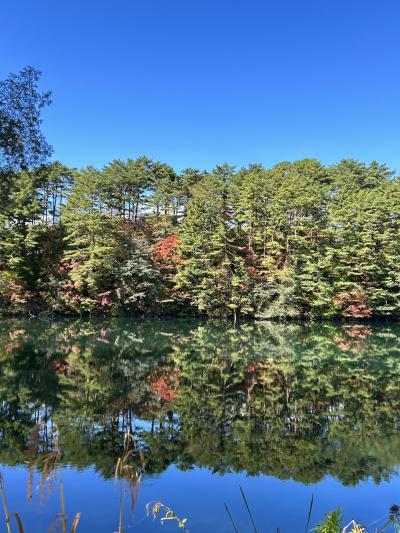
(300, 239)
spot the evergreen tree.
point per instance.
(20, 234)
(213, 278)
(364, 226)
(124, 185)
(22, 144)
(92, 245)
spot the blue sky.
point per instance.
(200, 82)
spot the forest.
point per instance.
(300, 239)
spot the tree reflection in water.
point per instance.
(286, 400)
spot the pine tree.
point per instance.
(364, 224)
(213, 278)
(92, 245)
(20, 235)
(124, 184)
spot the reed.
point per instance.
(128, 475)
(6, 513)
(332, 522)
(231, 518)
(165, 513)
(49, 472)
(248, 509)
(310, 512)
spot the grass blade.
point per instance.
(230, 516)
(75, 522)
(117, 472)
(19, 523)
(310, 511)
(248, 509)
(3, 497)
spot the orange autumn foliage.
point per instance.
(354, 304)
(163, 383)
(165, 253)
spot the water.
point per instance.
(285, 411)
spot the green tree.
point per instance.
(214, 277)
(93, 245)
(124, 185)
(364, 244)
(21, 237)
(22, 144)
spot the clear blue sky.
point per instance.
(200, 82)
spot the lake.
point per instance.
(110, 415)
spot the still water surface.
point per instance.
(285, 411)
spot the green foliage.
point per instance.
(22, 145)
(138, 281)
(214, 278)
(332, 523)
(297, 240)
(278, 297)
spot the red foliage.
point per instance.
(354, 338)
(358, 331)
(59, 366)
(165, 252)
(253, 271)
(163, 383)
(17, 294)
(354, 304)
(105, 298)
(251, 261)
(62, 267)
